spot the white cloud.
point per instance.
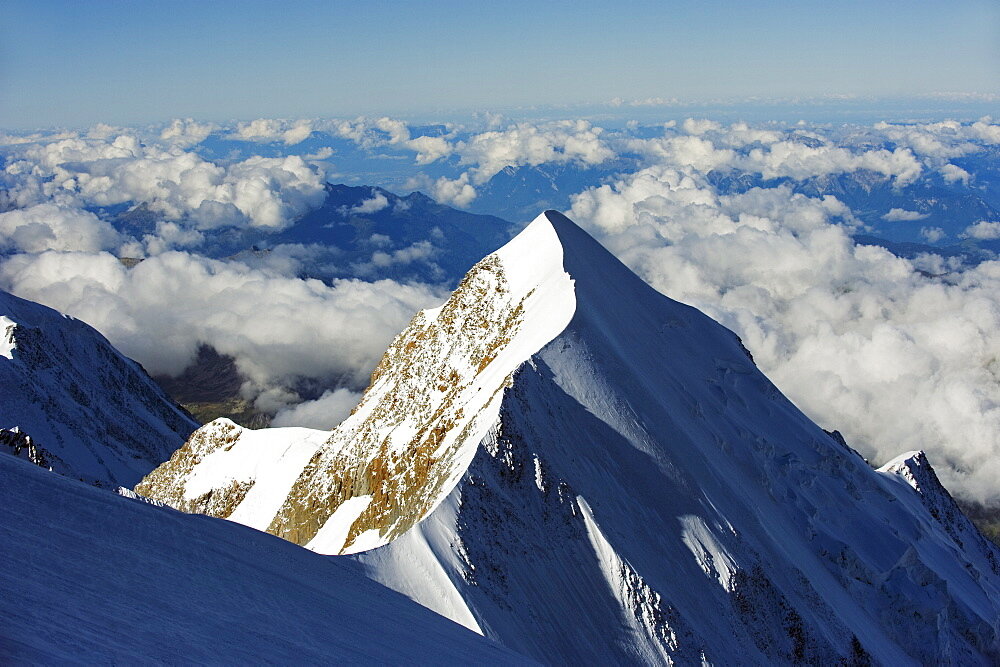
(943, 139)
(953, 174)
(800, 161)
(684, 151)
(454, 192)
(985, 130)
(932, 234)
(369, 132)
(262, 192)
(645, 102)
(429, 149)
(373, 205)
(700, 125)
(170, 236)
(278, 328)
(741, 134)
(52, 227)
(104, 131)
(533, 144)
(323, 153)
(269, 129)
(712, 148)
(34, 137)
(186, 132)
(902, 215)
(324, 413)
(983, 230)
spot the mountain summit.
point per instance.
(581, 468)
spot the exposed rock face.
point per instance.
(19, 444)
(577, 466)
(96, 414)
(222, 434)
(404, 447)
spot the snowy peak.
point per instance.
(79, 406)
(586, 470)
(916, 470)
(433, 397)
(435, 394)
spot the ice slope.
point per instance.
(89, 412)
(634, 490)
(92, 577)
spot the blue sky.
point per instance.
(75, 63)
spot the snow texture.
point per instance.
(97, 578)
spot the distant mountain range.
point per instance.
(359, 232)
(927, 203)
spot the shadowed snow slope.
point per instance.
(573, 464)
(97, 578)
(71, 402)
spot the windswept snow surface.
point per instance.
(688, 511)
(634, 490)
(268, 460)
(91, 413)
(92, 577)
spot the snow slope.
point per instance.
(93, 577)
(89, 412)
(573, 464)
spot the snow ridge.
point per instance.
(585, 470)
(152, 586)
(433, 397)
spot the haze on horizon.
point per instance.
(73, 64)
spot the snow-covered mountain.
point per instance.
(93, 577)
(72, 403)
(567, 461)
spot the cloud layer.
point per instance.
(278, 328)
(861, 340)
(176, 184)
